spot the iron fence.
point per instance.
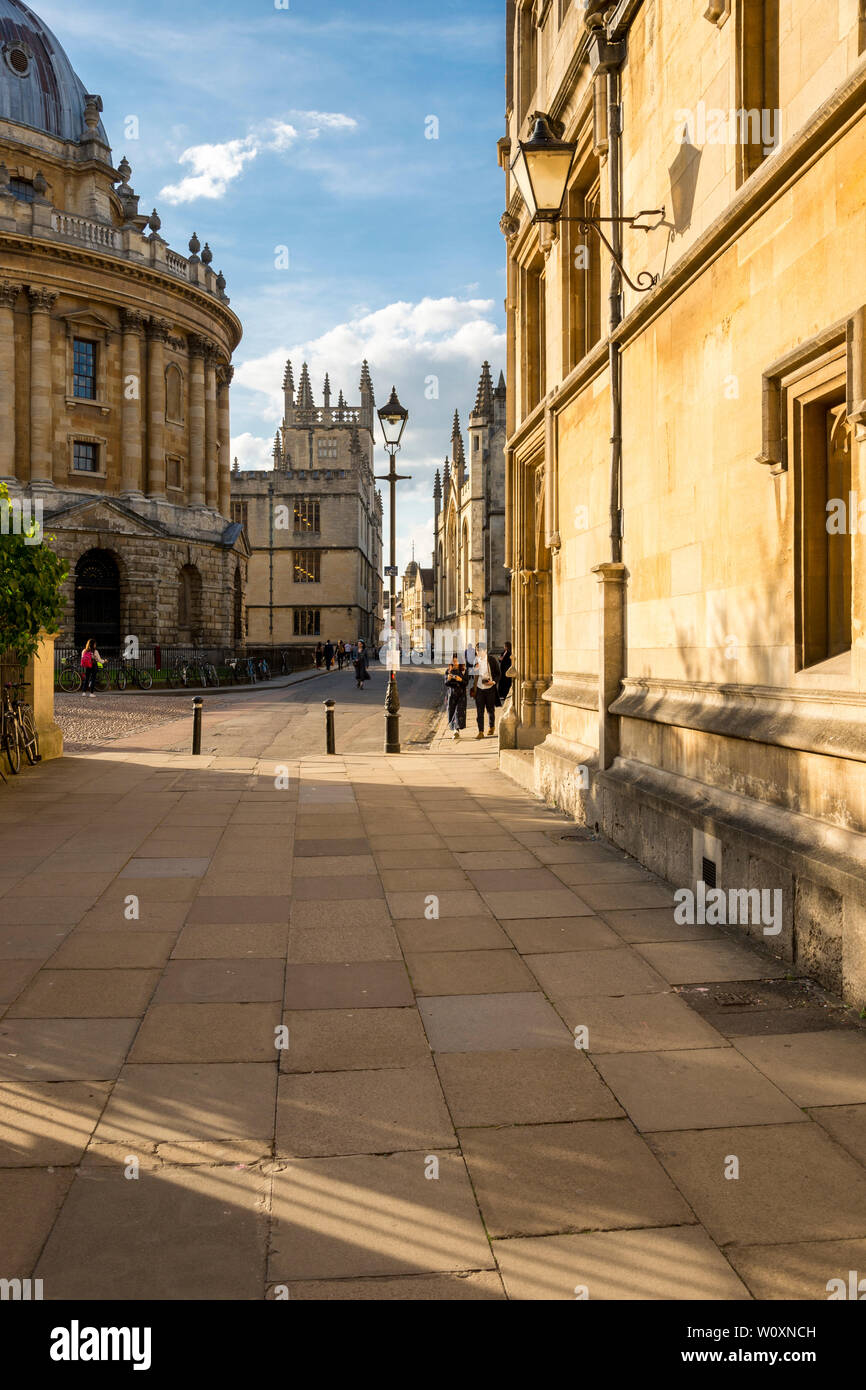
(167, 665)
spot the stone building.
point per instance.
(684, 447)
(314, 523)
(115, 367)
(471, 586)
(416, 606)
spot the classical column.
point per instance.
(8, 296)
(41, 463)
(611, 655)
(198, 348)
(132, 481)
(157, 336)
(225, 439)
(211, 430)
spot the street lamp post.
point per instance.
(393, 417)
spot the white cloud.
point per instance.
(252, 452)
(214, 167)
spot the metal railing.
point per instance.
(166, 665)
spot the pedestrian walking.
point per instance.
(341, 654)
(320, 654)
(455, 686)
(504, 667)
(329, 654)
(90, 663)
(484, 688)
(362, 671)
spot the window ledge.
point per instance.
(73, 401)
(85, 473)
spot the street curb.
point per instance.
(283, 683)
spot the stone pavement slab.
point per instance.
(846, 1124)
(812, 1068)
(814, 1270)
(491, 1023)
(416, 1288)
(325, 1040)
(635, 1022)
(361, 1112)
(48, 1124)
(679, 1263)
(704, 1089)
(533, 1087)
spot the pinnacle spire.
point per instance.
(288, 378)
(305, 391)
(437, 486)
(458, 457)
(484, 397)
(500, 385)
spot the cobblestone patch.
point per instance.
(86, 722)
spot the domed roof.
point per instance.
(38, 87)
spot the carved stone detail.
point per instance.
(41, 301)
(8, 295)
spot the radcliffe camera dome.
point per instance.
(38, 87)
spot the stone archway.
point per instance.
(97, 600)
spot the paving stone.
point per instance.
(496, 859)
(30, 1199)
(702, 961)
(155, 1103)
(242, 981)
(323, 1040)
(468, 972)
(359, 985)
(812, 1068)
(38, 911)
(466, 903)
(535, 880)
(153, 916)
(415, 1288)
(610, 897)
(560, 902)
(306, 847)
(538, 935)
(676, 1264)
(365, 912)
(230, 911)
(356, 1112)
(491, 1023)
(232, 942)
(335, 865)
(340, 943)
(595, 871)
(657, 924)
(705, 1089)
(613, 972)
(537, 1086)
(797, 1272)
(846, 1124)
(64, 1049)
(795, 1184)
(426, 880)
(416, 859)
(86, 994)
(636, 1022)
(451, 934)
(26, 942)
(347, 890)
(207, 1033)
(14, 977)
(594, 1175)
(193, 1233)
(153, 889)
(166, 868)
(47, 1124)
(340, 1218)
(105, 950)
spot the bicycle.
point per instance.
(10, 738)
(69, 678)
(129, 670)
(28, 738)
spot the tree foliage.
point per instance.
(31, 576)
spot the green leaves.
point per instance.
(31, 577)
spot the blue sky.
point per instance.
(262, 127)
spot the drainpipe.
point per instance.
(614, 124)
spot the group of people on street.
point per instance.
(344, 654)
(485, 678)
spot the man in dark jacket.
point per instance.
(329, 654)
(485, 674)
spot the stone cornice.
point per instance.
(126, 271)
(578, 690)
(831, 723)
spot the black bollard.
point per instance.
(330, 731)
(196, 724)
(392, 716)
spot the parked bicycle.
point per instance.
(17, 728)
(130, 671)
(193, 673)
(71, 680)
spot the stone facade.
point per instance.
(471, 586)
(115, 369)
(416, 606)
(314, 523)
(690, 630)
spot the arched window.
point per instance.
(440, 583)
(174, 393)
(189, 604)
(238, 609)
(97, 599)
(451, 561)
(464, 546)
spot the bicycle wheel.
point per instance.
(29, 738)
(11, 744)
(144, 680)
(70, 680)
(120, 679)
(213, 675)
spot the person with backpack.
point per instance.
(486, 673)
(90, 663)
